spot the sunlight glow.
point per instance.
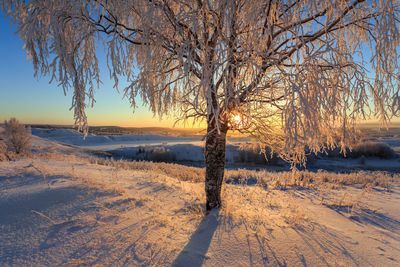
(236, 119)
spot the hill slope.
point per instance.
(62, 207)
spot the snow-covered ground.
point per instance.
(128, 146)
(190, 151)
(62, 206)
(108, 142)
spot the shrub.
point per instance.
(160, 154)
(363, 150)
(17, 138)
(255, 153)
(373, 149)
(3, 152)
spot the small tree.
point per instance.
(290, 73)
(18, 139)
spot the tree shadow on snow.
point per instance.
(364, 216)
(194, 253)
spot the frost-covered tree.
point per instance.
(294, 74)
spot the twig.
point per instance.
(40, 171)
(44, 216)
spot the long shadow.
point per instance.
(194, 253)
(367, 216)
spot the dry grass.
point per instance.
(260, 210)
(180, 172)
(269, 202)
(346, 202)
(263, 178)
(294, 214)
(42, 169)
(307, 179)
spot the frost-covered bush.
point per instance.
(363, 149)
(373, 149)
(3, 152)
(17, 138)
(335, 152)
(160, 154)
(255, 153)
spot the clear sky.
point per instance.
(34, 101)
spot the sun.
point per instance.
(236, 119)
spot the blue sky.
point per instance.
(34, 100)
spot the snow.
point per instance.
(59, 207)
(127, 146)
(105, 142)
(190, 150)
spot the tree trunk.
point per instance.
(214, 156)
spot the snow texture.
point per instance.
(64, 209)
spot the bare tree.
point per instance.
(293, 73)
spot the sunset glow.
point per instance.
(236, 119)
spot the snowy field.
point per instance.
(108, 142)
(63, 206)
(189, 151)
